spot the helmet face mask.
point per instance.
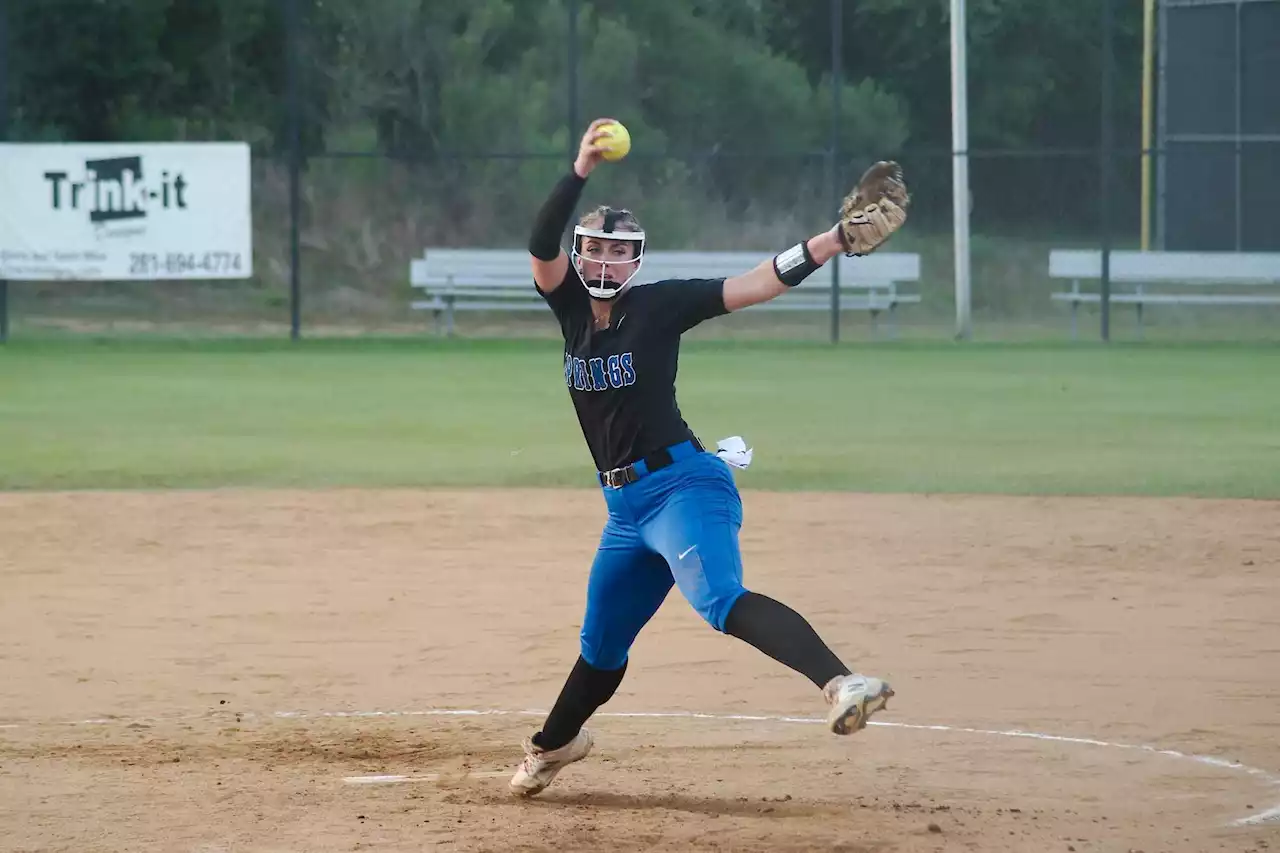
(610, 273)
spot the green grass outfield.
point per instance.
(940, 417)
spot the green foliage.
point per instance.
(468, 76)
(1035, 66)
(82, 66)
(454, 88)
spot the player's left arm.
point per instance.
(775, 276)
(871, 212)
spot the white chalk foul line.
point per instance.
(422, 777)
(1270, 815)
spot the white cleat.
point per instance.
(853, 699)
(540, 767)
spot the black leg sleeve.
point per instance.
(783, 635)
(586, 689)
(553, 217)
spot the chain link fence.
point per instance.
(378, 134)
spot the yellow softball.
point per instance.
(616, 146)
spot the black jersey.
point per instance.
(622, 379)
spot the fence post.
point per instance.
(960, 195)
(293, 135)
(574, 131)
(1148, 23)
(833, 152)
(1107, 164)
(4, 135)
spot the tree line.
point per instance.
(427, 76)
(434, 80)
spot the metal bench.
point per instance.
(453, 280)
(1195, 274)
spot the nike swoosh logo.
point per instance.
(685, 552)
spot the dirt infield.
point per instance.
(199, 671)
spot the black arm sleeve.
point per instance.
(553, 217)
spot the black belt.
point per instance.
(656, 461)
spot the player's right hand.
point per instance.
(589, 153)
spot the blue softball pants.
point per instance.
(675, 526)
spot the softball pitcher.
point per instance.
(674, 511)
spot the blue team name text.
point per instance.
(599, 374)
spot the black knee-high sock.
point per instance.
(585, 690)
(783, 635)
